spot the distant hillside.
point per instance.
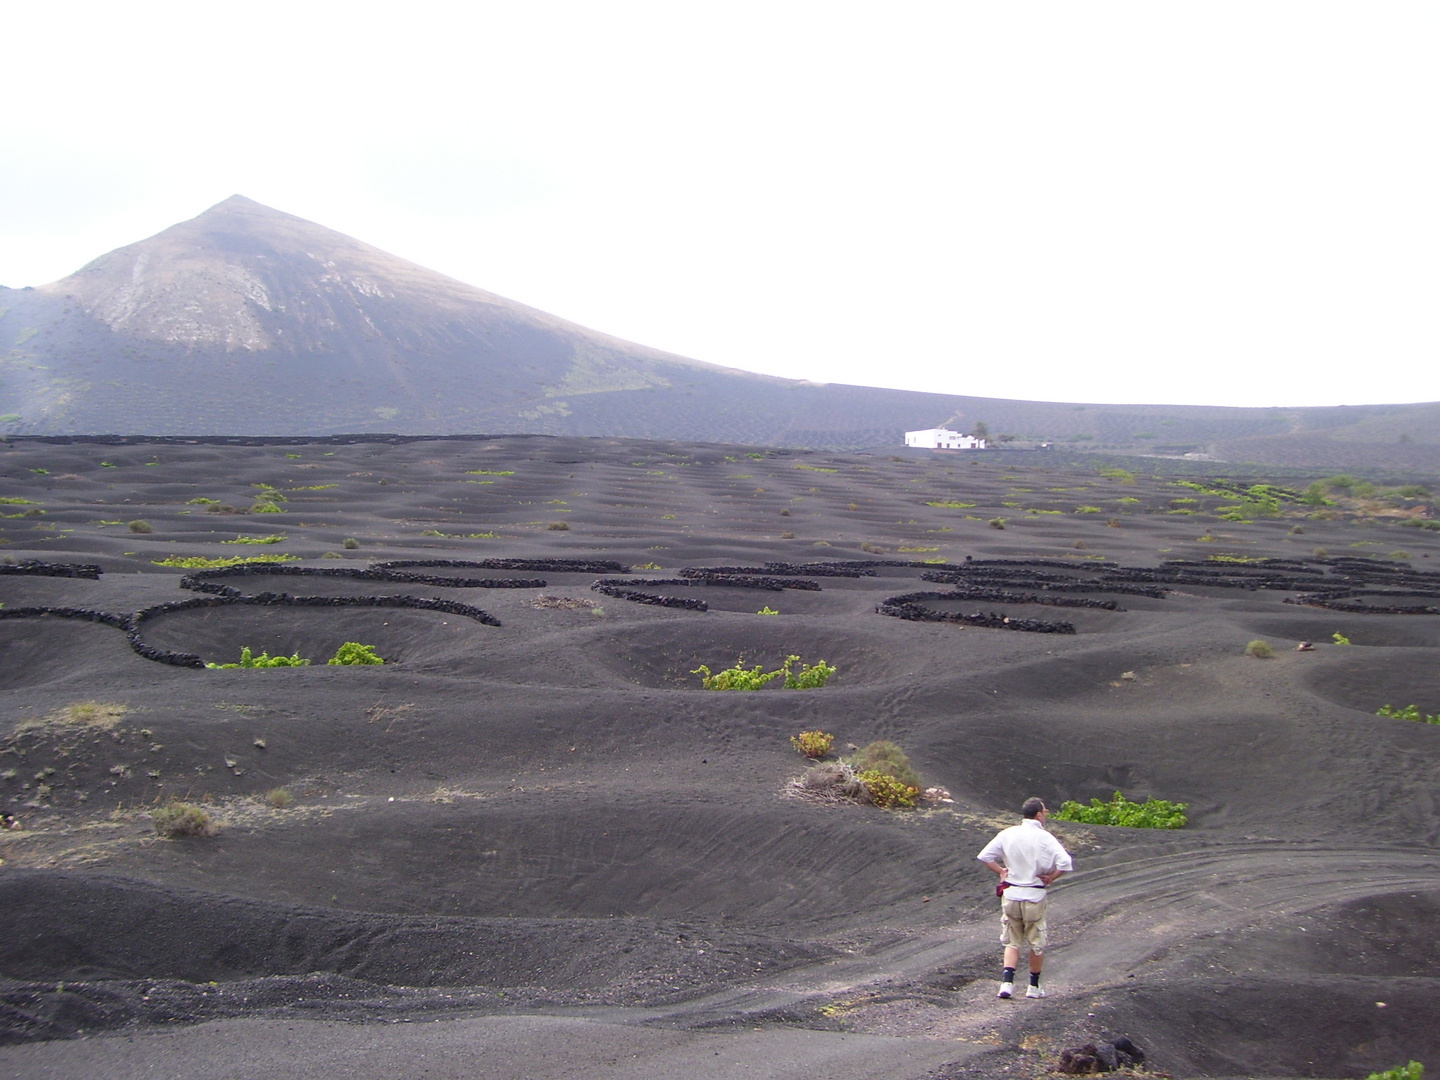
(246, 320)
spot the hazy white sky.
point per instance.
(1213, 203)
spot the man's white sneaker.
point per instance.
(1034, 991)
(1006, 989)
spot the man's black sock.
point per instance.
(1034, 978)
(1008, 975)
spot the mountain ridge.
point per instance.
(245, 320)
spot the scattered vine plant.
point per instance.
(352, 652)
(810, 677)
(1410, 712)
(1151, 814)
(201, 562)
(264, 660)
(1413, 1071)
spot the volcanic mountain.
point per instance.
(249, 321)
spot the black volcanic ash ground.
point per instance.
(549, 814)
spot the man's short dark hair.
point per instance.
(1032, 807)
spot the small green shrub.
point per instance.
(888, 792)
(1339, 638)
(179, 819)
(201, 500)
(1151, 814)
(139, 526)
(274, 538)
(265, 506)
(1088, 510)
(767, 610)
(1410, 712)
(997, 523)
(885, 757)
(1259, 649)
(813, 744)
(350, 543)
(352, 652)
(264, 660)
(951, 504)
(558, 526)
(279, 797)
(740, 678)
(1412, 1071)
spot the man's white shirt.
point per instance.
(1026, 851)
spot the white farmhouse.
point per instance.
(943, 439)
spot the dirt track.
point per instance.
(547, 836)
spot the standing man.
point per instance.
(1027, 859)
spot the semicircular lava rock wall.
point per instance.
(910, 606)
(625, 590)
(448, 607)
(540, 566)
(1350, 585)
(36, 568)
(227, 595)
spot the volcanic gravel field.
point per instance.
(531, 845)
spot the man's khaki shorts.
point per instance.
(1022, 922)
